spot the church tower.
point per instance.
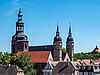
(57, 47)
(19, 40)
(70, 45)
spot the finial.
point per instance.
(57, 33)
(19, 10)
(19, 14)
(57, 27)
(70, 28)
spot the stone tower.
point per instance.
(70, 45)
(19, 40)
(57, 47)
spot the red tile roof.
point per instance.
(38, 56)
(96, 59)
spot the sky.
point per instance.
(40, 21)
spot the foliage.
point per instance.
(64, 50)
(5, 58)
(21, 60)
(86, 56)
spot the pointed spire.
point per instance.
(57, 27)
(57, 33)
(70, 29)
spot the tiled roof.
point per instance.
(38, 56)
(9, 69)
(85, 62)
(75, 63)
(96, 59)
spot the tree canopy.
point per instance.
(86, 56)
(21, 60)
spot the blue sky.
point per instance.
(41, 16)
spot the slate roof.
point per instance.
(38, 56)
(41, 48)
(9, 69)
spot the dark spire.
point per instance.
(57, 37)
(57, 33)
(69, 38)
(70, 29)
(57, 29)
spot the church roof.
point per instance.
(38, 56)
(41, 48)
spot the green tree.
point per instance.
(86, 56)
(23, 61)
(5, 58)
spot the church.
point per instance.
(42, 54)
